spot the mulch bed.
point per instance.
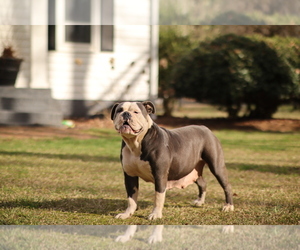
(272, 125)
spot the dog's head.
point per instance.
(132, 118)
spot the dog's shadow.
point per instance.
(75, 205)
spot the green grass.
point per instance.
(287, 112)
(192, 109)
(74, 182)
(173, 237)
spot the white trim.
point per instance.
(154, 39)
(96, 12)
(95, 21)
(39, 57)
(39, 44)
(62, 45)
(39, 11)
(153, 75)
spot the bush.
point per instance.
(234, 18)
(289, 50)
(233, 70)
(172, 46)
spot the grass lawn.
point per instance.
(173, 237)
(74, 181)
(80, 182)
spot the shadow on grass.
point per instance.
(265, 168)
(76, 205)
(241, 124)
(108, 231)
(63, 156)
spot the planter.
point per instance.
(9, 69)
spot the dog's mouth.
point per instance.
(126, 128)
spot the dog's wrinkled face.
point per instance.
(132, 118)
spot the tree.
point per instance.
(172, 47)
(232, 70)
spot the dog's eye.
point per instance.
(136, 112)
(119, 110)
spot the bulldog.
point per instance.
(167, 158)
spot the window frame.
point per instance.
(60, 30)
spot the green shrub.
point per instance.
(234, 18)
(288, 48)
(233, 70)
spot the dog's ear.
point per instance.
(113, 111)
(149, 106)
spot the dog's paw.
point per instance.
(123, 216)
(154, 239)
(228, 229)
(154, 216)
(228, 208)
(122, 238)
(130, 231)
(198, 202)
(156, 234)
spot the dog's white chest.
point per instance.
(134, 166)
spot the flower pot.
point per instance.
(9, 69)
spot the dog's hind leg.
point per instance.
(215, 160)
(201, 185)
(222, 178)
(202, 191)
(220, 173)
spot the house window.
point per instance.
(107, 37)
(81, 25)
(78, 33)
(107, 29)
(78, 11)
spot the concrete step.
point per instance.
(22, 118)
(28, 105)
(12, 92)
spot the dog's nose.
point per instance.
(126, 115)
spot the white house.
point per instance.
(86, 52)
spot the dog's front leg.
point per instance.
(158, 205)
(132, 188)
(159, 200)
(156, 235)
(130, 231)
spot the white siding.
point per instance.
(15, 12)
(122, 74)
(93, 76)
(132, 12)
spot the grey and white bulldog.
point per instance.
(167, 158)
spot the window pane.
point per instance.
(107, 27)
(78, 33)
(78, 11)
(107, 37)
(107, 12)
(51, 12)
(51, 26)
(51, 37)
